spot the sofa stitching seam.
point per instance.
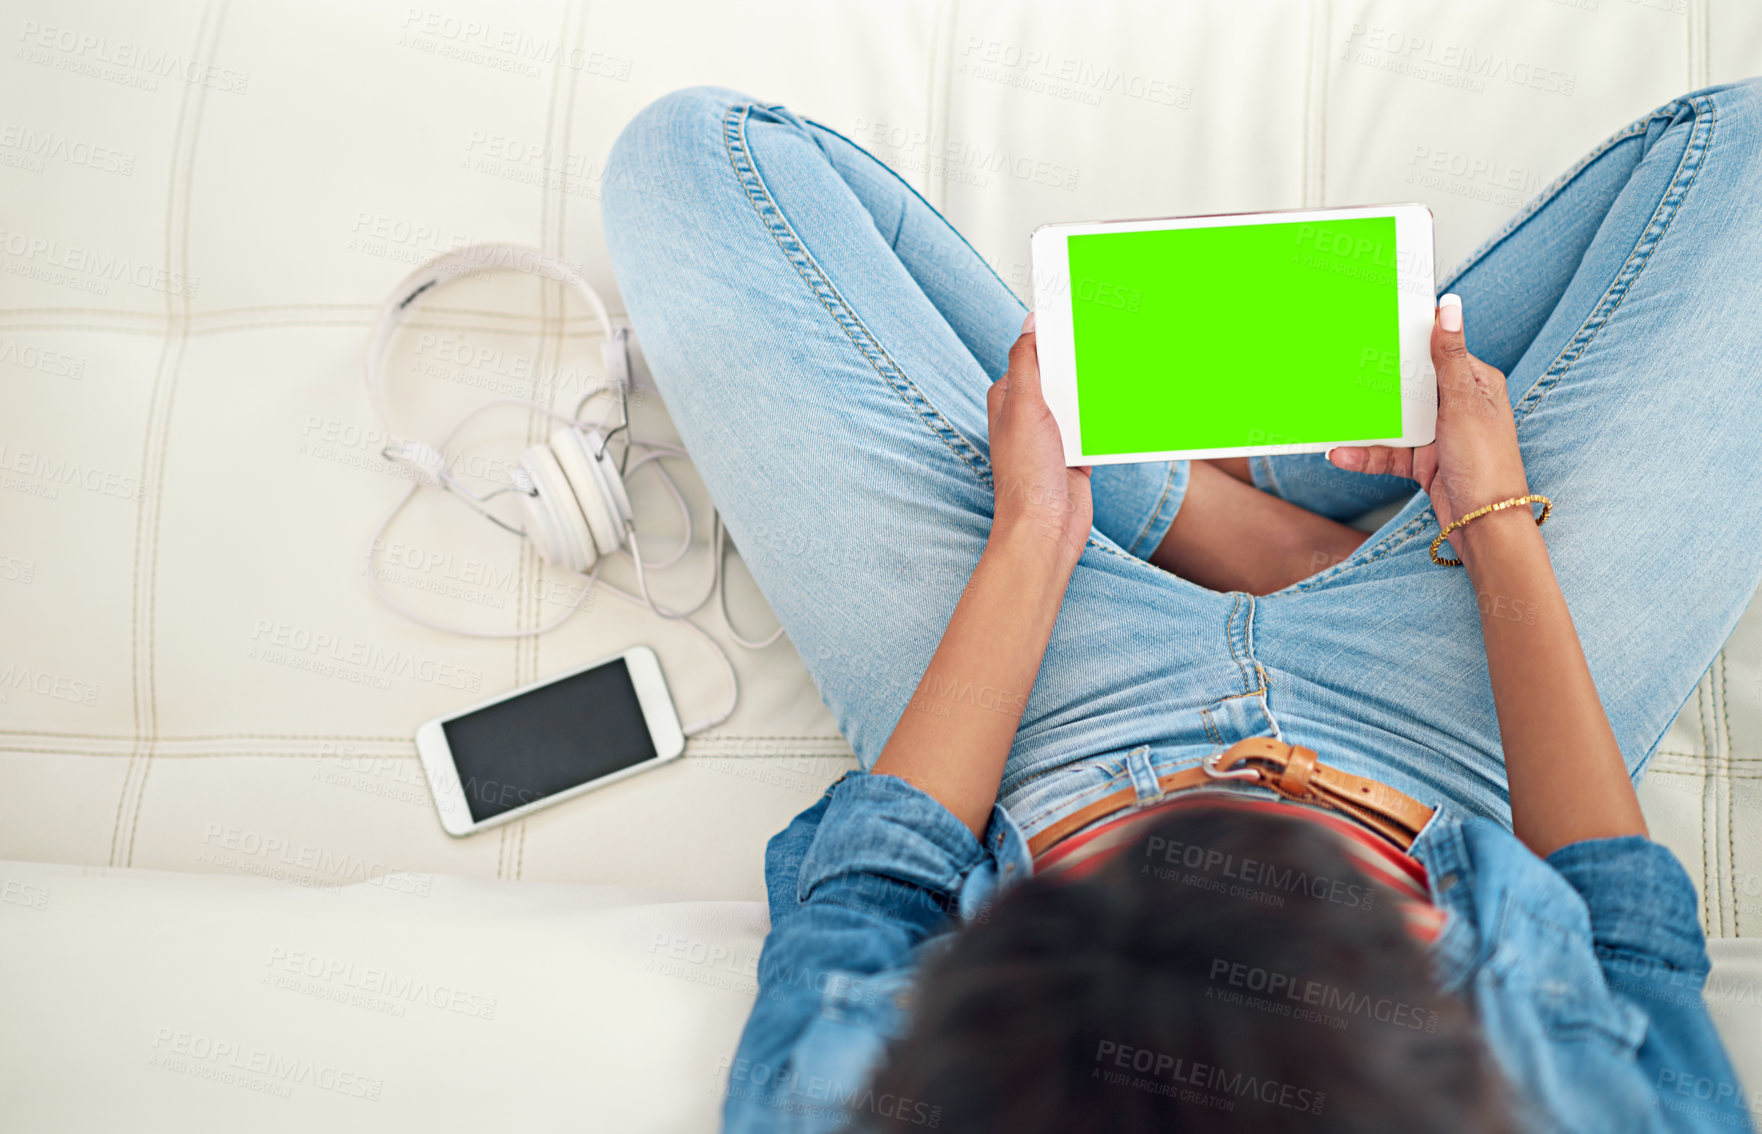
(1730, 817)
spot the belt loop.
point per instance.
(1144, 780)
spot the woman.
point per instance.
(1031, 662)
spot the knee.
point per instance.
(1734, 130)
(1748, 91)
(1735, 106)
(667, 155)
(1740, 104)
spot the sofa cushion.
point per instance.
(206, 202)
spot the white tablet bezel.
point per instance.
(443, 775)
(1414, 281)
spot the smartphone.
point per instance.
(511, 755)
(1237, 335)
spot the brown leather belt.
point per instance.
(1289, 769)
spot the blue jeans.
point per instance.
(824, 340)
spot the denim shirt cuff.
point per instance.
(1641, 901)
(882, 841)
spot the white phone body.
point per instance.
(449, 787)
(1056, 345)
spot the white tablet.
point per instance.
(1227, 336)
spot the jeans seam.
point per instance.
(1167, 485)
(1230, 634)
(1558, 186)
(934, 211)
(1272, 476)
(1211, 728)
(1230, 627)
(1700, 139)
(821, 287)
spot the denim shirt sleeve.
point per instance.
(1585, 971)
(859, 885)
(1648, 941)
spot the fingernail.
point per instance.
(1344, 457)
(1450, 312)
(1028, 323)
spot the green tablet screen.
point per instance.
(1245, 335)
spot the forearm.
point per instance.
(1567, 779)
(955, 734)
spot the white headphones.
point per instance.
(572, 492)
(577, 512)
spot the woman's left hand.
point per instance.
(1475, 459)
(1037, 497)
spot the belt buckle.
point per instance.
(1212, 766)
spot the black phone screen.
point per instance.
(549, 739)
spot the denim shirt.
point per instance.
(1585, 970)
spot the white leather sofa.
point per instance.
(225, 901)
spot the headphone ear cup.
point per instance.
(586, 473)
(558, 527)
(539, 527)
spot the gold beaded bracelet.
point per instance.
(1533, 498)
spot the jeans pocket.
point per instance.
(1046, 797)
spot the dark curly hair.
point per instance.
(1232, 970)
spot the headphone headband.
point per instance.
(478, 259)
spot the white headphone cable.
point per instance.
(428, 474)
(718, 544)
(657, 451)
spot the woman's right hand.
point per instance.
(1474, 459)
(1034, 493)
